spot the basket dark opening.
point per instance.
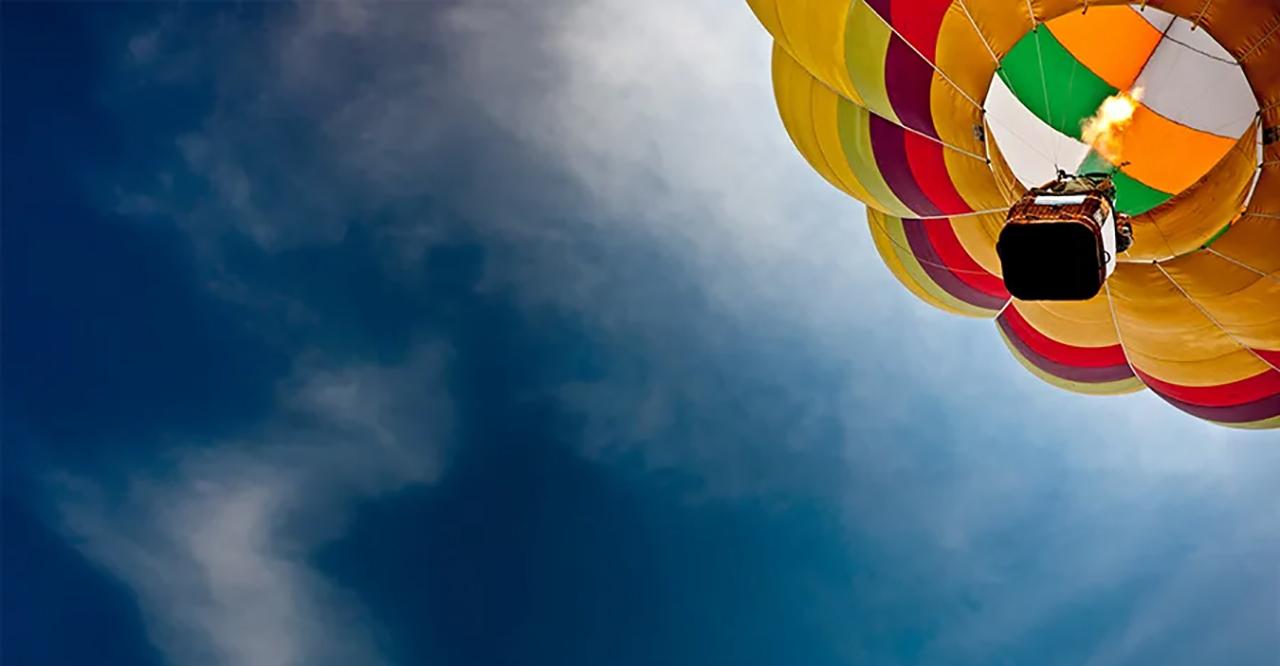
(1051, 261)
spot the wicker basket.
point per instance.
(1054, 245)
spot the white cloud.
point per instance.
(217, 548)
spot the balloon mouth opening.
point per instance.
(1137, 92)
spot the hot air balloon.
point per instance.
(941, 115)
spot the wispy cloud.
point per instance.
(217, 545)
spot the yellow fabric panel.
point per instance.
(1077, 323)
(1166, 335)
(1254, 243)
(1168, 156)
(867, 46)
(965, 61)
(1261, 66)
(1148, 244)
(793, 93)
(1203, 275)
(1001, 24)
(894, 250)
(977, 235)
(1121, 387)
(766, 12)
(1047, 10)
(1231, 367)
(825, 109)
(813, 32)
(1113, 42)
(954, 116)
(809, 113)
(1188, 220)
(1252, 313)
(891, 261)
(955, 119)
(1245, 304)
(1238, 25)
(974, 180)
(961, 54)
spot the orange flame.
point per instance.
(1105, 130)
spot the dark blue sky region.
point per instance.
(489, 333)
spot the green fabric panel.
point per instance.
(1074, 92)
(1132, 196)
(1095, 163)
(1135, 198)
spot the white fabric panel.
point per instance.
(1028, 144)
(1158, 18)
(1192, 80)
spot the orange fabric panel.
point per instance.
(1168, 156)
(1113, 42)
(1187, 221)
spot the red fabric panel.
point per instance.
(1086, 357)
(1245, 391)
(929, 170)
(943, 238)
(919, 21)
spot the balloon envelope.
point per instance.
(939, 114)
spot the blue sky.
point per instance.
(517, 333)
